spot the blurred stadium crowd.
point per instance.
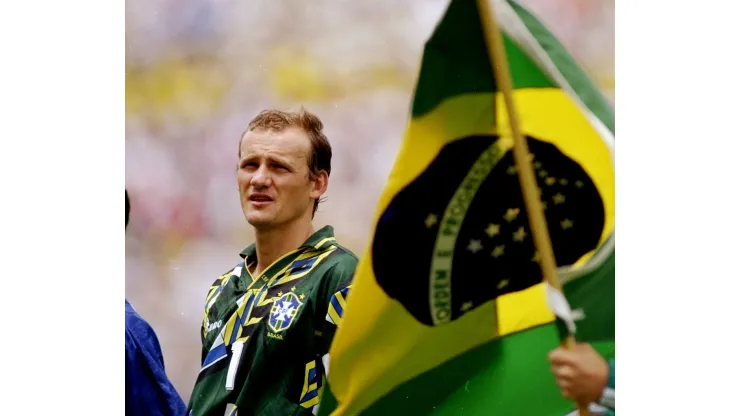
(198, 70)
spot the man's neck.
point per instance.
(274, 243)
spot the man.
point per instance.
(584, 376)
(269, 321)
(148, 390)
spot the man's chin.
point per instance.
(260, 220)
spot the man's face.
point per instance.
(273, 177)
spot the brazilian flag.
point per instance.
(448, 313)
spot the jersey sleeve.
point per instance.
(334, 299)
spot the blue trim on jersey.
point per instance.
(310, 395)
(337, 306)
(215, 355)
(240, 320)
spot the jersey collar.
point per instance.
(322, 238)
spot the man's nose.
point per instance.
(261, 178)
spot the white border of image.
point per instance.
(62, 172)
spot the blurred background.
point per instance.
(198, 70)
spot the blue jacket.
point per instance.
(148, 390)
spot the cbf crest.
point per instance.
(458, 235)
(284, 311)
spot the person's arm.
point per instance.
(148, 390)
(203, 331)
(338, 289)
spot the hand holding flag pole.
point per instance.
(527, 181)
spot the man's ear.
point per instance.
(320, 184)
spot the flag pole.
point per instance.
(527, 181)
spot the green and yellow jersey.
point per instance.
(266, 338)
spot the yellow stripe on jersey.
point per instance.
(216, 289)
(241, 315)
(253, 320)
(290, 253)
(205, 322)
(337, 303)
(324, 241)
(218, 283)
(310, 392)
(334, 316)
(290, 277)
(307, 255)
(340, 298)
(263, 299)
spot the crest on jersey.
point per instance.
(283, 312)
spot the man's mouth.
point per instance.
(259, 198)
